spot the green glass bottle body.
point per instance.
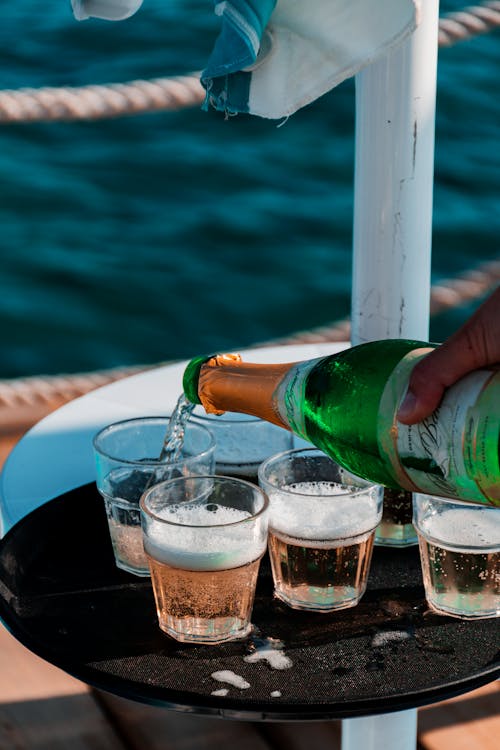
(346, 405)
(341, 403)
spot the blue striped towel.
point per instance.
(273, 57)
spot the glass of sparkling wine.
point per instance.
(396, 528)
(127, 461)
(460, 556)
(321, 529)
(243, 442)
(204, 538)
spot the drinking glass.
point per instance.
(243, 442)
(460, 556)
(396, 527)
(204, 538)
(321, 529)
(126, 455)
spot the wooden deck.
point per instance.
(42, 708)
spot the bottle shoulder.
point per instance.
(369, 363)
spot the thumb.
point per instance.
(428, 381)
(476, 344)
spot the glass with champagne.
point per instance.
(204, 538)
(128, 460)
(243, 442)
(321, 529)
(396, 528)
(460, 556)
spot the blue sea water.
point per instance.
(160, 236)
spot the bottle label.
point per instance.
(290, 393)
(454, 452)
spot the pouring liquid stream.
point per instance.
(173, 441)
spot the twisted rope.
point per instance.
(469, 22)
(38, 395)
(48, 104)
(45, 389)
(97, 102)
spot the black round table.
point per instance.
(62, 596)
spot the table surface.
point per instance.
(387, 654)
(63, 597)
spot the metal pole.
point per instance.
(397, 731)
(394, 168)
(393, 186)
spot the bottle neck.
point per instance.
(228, 384)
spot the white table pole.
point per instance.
(393, 187)
(397, 731)
(394, 168)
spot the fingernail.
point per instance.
(407, 406)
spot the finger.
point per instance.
(421, 399)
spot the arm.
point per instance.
(476, 344)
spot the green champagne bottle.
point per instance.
(346, 405)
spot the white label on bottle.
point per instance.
(290, 394)
(438, 454)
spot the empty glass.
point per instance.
(126, 455)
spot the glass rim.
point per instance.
(450, 503)
(357, 490)
(153, 462)
(221, 418)
(217, 477)
(420, 497)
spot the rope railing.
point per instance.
(96, 102)
(44, 389)
(22, 397)
(469, 22)
(93, 102)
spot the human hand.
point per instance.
(476, 344)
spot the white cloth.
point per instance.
(273, 57)
(307, 48)
(108, 10)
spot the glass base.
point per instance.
(396, 528)
(395, 535)
(142, 572)
(321, 601)
(462, 614)
(214, 631)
